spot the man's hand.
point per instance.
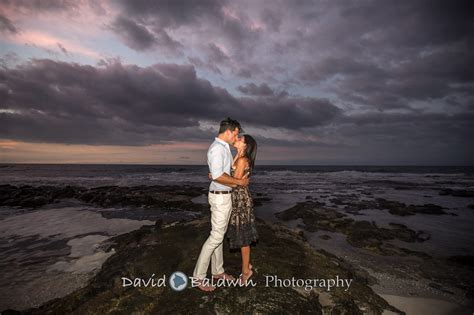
(226, 179)
(245, 176)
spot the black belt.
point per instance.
(220, 191)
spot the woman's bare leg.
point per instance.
(245, 251)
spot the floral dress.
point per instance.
(242, 229)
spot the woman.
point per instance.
(242, 230)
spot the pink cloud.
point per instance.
(49, 41)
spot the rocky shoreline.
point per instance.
(170, 197)
(363, 234)
(389, 254)
(170, 245)
(165, 248)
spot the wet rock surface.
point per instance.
(451, 274)
(35, 237)
(169, 197)
(362, 234)
(463, 260)
(394, 207)
(163, 249)
(457, 192)
(260, 198)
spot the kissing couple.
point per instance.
(231, 204)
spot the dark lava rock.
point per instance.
(464, 260)
(280, 252)
(337, 201)
(170, 197)
(394, 207)
(439, 287)
(391, 183)
(259, 201)
(315, 217)
(362, 234)
(457, 192)
(427, 208)
(353, 212)
(403, 188)
(33, 202)
(158, 224)
(368, 235)
(400, 209)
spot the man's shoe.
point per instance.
(223, 276)
(205, 287)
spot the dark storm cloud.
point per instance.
(148, 22)
(139, 38)
(271, 18)
(216, 55)
(435, 75)
(163, 94)
(198, 63)
(135, 36)
(172, 13)
(415, 23)
(61, 102)
(253, 89)
(210, 20)
(383, 54)
(387, 55)
(382, 25)
(9, 59)
(6, 25)
(33, 126)
(414, 137)
(423, 78)
(61, 47)
(290, 113)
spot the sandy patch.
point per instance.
(420, 305)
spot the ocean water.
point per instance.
(279, 178)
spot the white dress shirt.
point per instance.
(219, 159)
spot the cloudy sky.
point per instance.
(316, 82)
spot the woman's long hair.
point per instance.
(250, 150)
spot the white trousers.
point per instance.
(221, 207)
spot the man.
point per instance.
(219, 159)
